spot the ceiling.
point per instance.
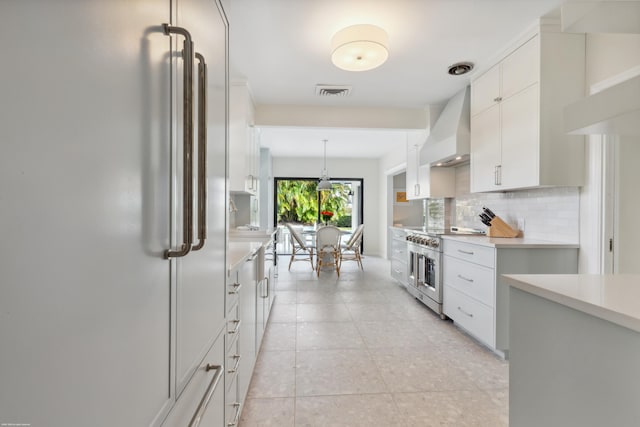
(282, 48)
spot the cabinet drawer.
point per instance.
(399, 250)
(195, 390)
(233, 328)
(473, 316)
(482, 255)
(233, 406)
(399, 253)
(398, 233)
(232, 362)
(233, 289)
(399, 270)
(475, 280)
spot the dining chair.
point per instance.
(328, 248)
(350, 251)
(298, 247)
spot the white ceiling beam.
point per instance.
(341, 117)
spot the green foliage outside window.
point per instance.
(298, 201)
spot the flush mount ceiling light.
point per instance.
(324, 184)
(359, 47)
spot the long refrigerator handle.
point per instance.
(187, 154)
(202, 152)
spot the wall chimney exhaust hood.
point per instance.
(448, 142)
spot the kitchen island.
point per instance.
(574, 350)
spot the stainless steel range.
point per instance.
(425, 269)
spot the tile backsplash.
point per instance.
(548, 213)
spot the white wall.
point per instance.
(607, 56)
(367, 169)
(392, 163)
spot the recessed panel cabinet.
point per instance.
(517, 135)
(424, 181)
(244, 142)
(99, 327)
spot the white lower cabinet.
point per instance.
(477, 281)
(474, 294)
(195, 399)
(471, 315)
(399, 256)
(247, 338)
(252, 287)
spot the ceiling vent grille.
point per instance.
(332, 90)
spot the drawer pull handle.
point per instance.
(236, 289)
(202, 407)
(235, 418)
(465, 252)
(235, 367)
(465, 312)
(465, 278)
(237, 328)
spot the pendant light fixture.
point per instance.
(324, 184)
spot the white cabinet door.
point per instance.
(200, 276)
(485, 91)
(423, 181)
(243, 142)
(486, 155)
(84, 189)
(520, 140)
(521, 69)
(412, 170)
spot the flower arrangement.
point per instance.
(326, 215)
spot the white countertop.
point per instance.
(240, 251)
(506, 242)
(615, 298)
(242, 234)
(500, 242)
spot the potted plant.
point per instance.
(326, 216)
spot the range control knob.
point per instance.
(434, 243)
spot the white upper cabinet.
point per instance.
(244, 144)
(517, 133)
(424, 181)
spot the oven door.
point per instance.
(412, 272)
(427, 276)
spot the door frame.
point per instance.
(360, 197)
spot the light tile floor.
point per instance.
(360, 351)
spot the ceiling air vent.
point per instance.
(331, 90)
